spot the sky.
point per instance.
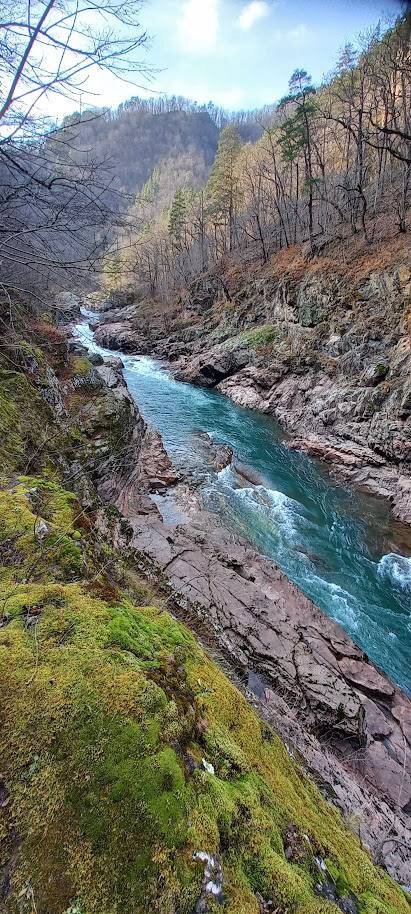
(240, 53)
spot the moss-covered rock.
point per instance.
(22, 413)
(125, 750)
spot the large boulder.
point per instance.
(210, 368)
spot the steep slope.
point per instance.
(135, 141)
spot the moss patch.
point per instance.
(258, 338)
(22, 412)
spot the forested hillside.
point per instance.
(135, 139)
(331, 160)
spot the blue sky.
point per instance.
(240, 53)
(237, 53)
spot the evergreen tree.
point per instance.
(295, 135)
(223, 189)
(177, 218)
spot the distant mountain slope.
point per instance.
(136, 140)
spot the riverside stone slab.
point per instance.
(266, 624)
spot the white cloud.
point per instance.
(198, 26)
(251, 13)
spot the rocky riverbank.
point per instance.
(323, 346)
(351, 725)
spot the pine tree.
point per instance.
(177, 217)
(296, 131)
(223, 188)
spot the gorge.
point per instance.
(337, 546)
(205, 458)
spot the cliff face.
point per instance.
(134, 775)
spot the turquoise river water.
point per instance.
(337, 545)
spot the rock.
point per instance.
(405, 406)
(156, 471)
(117, 366)
(250, 387)
(212, 885)
(218, 456)
(377, 723)
(67, 307)
(314, 301)
(123, 337)
(95, 358)
(209, 369)
(376, 373)
(364, 675)
(50, 389)
(387, 773)
(41, 530)
(202, 294)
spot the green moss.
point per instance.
(261, 336)
(81, 366)
(37, 528)
(338, 877)
(22, 413)
(87, 697)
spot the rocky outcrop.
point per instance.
(210, 371)
(122, 336)
(126, 458)
(66, 307)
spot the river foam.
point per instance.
(397, 568)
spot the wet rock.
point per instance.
(95, 358)
(328, 889)
(217, 455)
(156, 471)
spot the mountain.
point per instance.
(135, 140)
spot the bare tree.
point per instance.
(54, 196)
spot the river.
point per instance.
(336, 544)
